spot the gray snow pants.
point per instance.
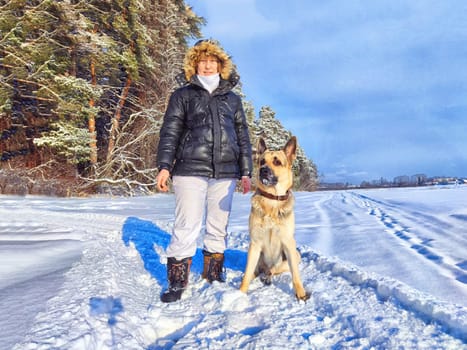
(195, 198)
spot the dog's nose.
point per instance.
(264, 171)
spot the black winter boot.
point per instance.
(213, 266)
(177, 275)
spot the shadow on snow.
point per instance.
(145, 234)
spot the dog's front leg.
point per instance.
(293, 258)
(254, 252)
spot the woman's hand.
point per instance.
(162, 179)
(246, 184)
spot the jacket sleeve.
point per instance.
(171, 131)
(241, 126)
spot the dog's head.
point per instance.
(275, 167)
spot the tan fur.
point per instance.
(272, 221)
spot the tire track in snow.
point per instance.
(451, 317)
(324, 239)
(347, 212)
(429, 222)
(413, 240)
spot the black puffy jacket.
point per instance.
(205, 134)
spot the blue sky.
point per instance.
(371, 88)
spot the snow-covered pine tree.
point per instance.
(78, 73)
(40, 93)
(154, 34)
(248, 109)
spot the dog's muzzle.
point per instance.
(267, 177)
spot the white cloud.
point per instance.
(235, 20)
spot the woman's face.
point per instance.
(207, 65)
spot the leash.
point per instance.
(271, 196)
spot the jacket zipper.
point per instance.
(216, 135)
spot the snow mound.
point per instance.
(450, 316)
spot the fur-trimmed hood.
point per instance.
(207, 47)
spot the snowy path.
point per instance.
(402, 233)
(107, 297)
(418, 231)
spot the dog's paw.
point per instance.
(304, 297)
(266, 278)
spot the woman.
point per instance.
(205, 147)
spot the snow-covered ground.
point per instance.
(387, 269)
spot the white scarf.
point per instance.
(209, 82)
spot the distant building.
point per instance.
(402, 180)
(418, 179)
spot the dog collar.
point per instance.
(271, 196)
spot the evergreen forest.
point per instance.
(83, 90)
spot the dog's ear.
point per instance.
(290, 149)
(260, 146)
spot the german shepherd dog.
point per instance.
(273, 249)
